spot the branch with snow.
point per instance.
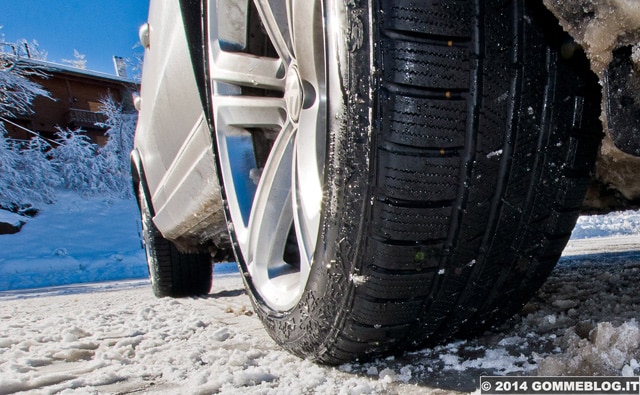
(79, 60)
(18, 185)
(17, 91)
(120, 128)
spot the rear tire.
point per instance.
(454, 149)
(173, 273)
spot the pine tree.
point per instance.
(40, 178)
(115, 154)
(75, 161)
(11, 180)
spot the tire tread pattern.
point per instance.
(174, 273)
(480, 171)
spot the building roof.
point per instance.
(59, 68)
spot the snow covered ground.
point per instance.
(115, 337)
(78, 239)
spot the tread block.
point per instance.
(423, 122)
(570, 192)
(385, 313)
(426, 65)
(553, 247)
(395, 285)
(413, 178)
(410, 223)
(437, 17)
(580, 154)
(366, 333)
(404, 257)
(563, 222)
(371, 348)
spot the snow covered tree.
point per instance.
(120, 127)
(39, 177)
(10, 178)
(16, 90)
(76, 161)
(78, 61)
(17, 93)
(136, 66)
(30, 49)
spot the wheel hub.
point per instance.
(293, 94)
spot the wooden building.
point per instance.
(75, 101)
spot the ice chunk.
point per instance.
(600, 26)
(358, 280)
(608, 350)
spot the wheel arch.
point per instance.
(138, 179)
(193, 19)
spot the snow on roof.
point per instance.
(55, 67)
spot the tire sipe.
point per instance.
(430, 157)
(173, 273)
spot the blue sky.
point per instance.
(98, 29)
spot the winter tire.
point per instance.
(173, 273)
(430, 158)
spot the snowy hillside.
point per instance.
(78, 239)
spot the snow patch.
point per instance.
(622, 223)
(11, 218)
(608, 349)
(358, 280)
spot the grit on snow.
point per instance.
(116, 337)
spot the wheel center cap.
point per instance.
(293, 94)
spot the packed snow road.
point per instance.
(117, 338)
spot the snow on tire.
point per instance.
(430, 157)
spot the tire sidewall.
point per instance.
(149, 236)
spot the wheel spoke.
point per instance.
(271, 215)
(273, 196)
(308, 180)
(228, 21)
(249, 112)
(246, 70)
(308, 41)
(275, 17)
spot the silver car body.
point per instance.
(173, 142)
